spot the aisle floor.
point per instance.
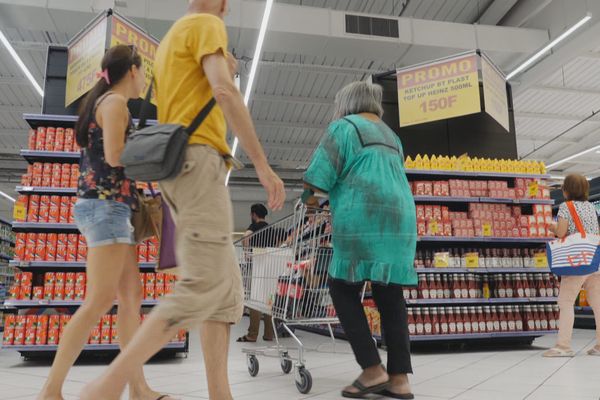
(490, 374)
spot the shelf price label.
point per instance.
(534, 189)
(433, 227)
(441, 260)
(472, 260)
(540, 260)
(487, 229)
(19, 212)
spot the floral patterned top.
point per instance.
(98, 180)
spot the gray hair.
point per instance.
(358, 97)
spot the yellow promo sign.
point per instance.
(84, 59)
(439, 90)
(472, 260)
(124, 32)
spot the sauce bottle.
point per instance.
(518, 319)
(551, 320)
(543, 318)
(406, 292)
(466, 321)
(427, 325)
(489, 323)
(495, 319)
(474, 320)
(510, 292)
(472, 287)
(423, 287)
(519, 286)
(446, 285)
(439, 286)
(435, 322)
(412, 329)
(419, 322)
(529, 319)
(432, 287)
(503, 319)
(414, 291)
(486, 288)
(536, 318)
(443, 322)
(481, 320)
(510, 316)
(451, 321)
(542, 287)
(501, 287)
(456, 287)
(460, 322)
(464, 289)
(526, 287)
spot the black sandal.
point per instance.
(364, 390)
(245, 339)
(392, 395)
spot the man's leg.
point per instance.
(215, 348)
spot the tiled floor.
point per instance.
(486, 374)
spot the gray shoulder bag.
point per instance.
(157, 153)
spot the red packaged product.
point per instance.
(65, 205)
(150, 278)
(40, 139)
(26, 180)
(80, 278)
(26, 278)
(152, 252)
(47, 169)
(428, 212)
(59, 139)
(437, 213)
(44, 209)
(106, 321)
(70, 278)
(169, 288)
(41, 337)
(171, 278)
(149, 292)
(33, 208)
(60, 278)
(81, 250)
(49, 278)
(79, 292)
(71, 252)
(19, 337)
(59, 292)
(54, 322)
(64, 320)
(53, 335)
(142, 251)
(8, 339)
(61, 247)
(114, 336)
(14, 293)
(31, 143)
(49, 291)
(50, 138)
(20, 321)
(420, 212)
(51, 243)
(20, 243)
(40, 248)
(69, 139)
(159, 290)
(69, 291)
(105, 336)
(95, 336)
(30, 321)
(160, 278)
(38, 293)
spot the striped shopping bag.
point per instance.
(576, 254)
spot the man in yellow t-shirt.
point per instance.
(191, 67)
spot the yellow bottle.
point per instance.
(426, 162)
(409, 163)
(434, 164)
(542, 167)
(454, 164)
(418, 162)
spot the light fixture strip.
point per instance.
(7, 196)
(20, 63)
(549, 46)
(569, 158)
(254, 67)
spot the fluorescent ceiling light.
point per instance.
(549, 46)
(20, 63)
(254, 67)
(7, 196)
(564, 160)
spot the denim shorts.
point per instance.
(104, 222)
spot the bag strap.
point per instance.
(196, 122)
(576, 218)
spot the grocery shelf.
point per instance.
(50, 156)
(65, 121)
(87, 347)
(505, 300)
(480, 270)
(45, 190)
(462, 174)
(5, 257)
(7, 241)
(457, 239)
(471, 336)
(58, 303)
(47, 265)
(449, 199)
(43, 227)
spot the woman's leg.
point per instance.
(104, 268)
(347, 301)
(592, 288)
(569, 289)
(129, 294)
(394, 321)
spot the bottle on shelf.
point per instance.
(419, 322)
(503, 319)
(412, 330)
(474, 320)
(427, 324)
(444, 329)
(435, 322)
(467, 320)
(451, 321)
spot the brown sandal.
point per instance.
(246, 339)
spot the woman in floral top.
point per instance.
(106, 198)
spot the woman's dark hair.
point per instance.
(576, 188)
(259, 209)
(117, 61)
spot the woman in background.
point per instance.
(576, 190)
(360, 164)
(106, 198)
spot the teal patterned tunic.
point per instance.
(360, 164)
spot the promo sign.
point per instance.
(84, 59)
(495, 98)
(124, 32)
(439, 90)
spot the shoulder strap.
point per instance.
(196, 122)
(100, 99)
(576, 218)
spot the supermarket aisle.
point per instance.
(490, 375)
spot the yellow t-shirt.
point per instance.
(182, 88)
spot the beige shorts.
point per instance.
(210, 284)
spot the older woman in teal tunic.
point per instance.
(360, 164)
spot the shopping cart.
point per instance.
(284, 269)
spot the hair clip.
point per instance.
(104, 74)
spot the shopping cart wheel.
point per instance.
(286, 363)
(303, 381)
(252, 365)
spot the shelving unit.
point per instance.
(7, 273)
(41, 267)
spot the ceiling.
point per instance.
(306, 63)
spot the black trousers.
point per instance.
(394, 321)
